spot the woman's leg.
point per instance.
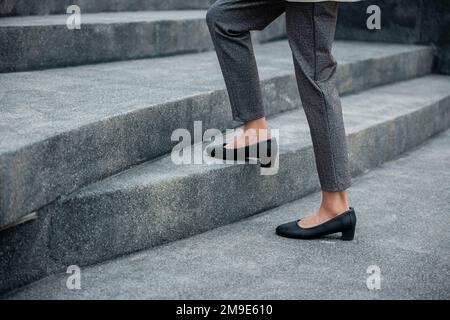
(230, 22)
(311, 28)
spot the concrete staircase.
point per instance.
(84, 153)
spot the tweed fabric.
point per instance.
(310, 30)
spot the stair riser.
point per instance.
(93, 229)
(42, 172)
(45, 7)
(378, 144)
(56, 46)
(385, 70)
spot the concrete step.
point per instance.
(157, 202)
(38, 42)
(403, 218)
(65, 128)
(46, 7)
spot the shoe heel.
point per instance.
(348, 234)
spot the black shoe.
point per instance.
(344, 223)
(264, 151)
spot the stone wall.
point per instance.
(405, 21)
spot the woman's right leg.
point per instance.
(230, 23)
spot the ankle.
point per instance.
(256, 135)
(259, 123)
(331, 212)
(257, 128)
(334, 203)
(334, 208)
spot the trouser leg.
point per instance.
(311, 28)
(230, 23)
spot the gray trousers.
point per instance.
(310, 29)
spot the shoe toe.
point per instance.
(287, 229)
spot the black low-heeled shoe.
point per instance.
(344, 223)
(264, 151)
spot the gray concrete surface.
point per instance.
(159, 201)
(64, 128)
(45, 7)
(39, 42)
(402, 21)
(403, 220)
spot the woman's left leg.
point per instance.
(311, 28)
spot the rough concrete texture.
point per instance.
(65, 128)
(159, 201)
(38, 42)
(44, 7)
(403, 213)
(402, 21)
